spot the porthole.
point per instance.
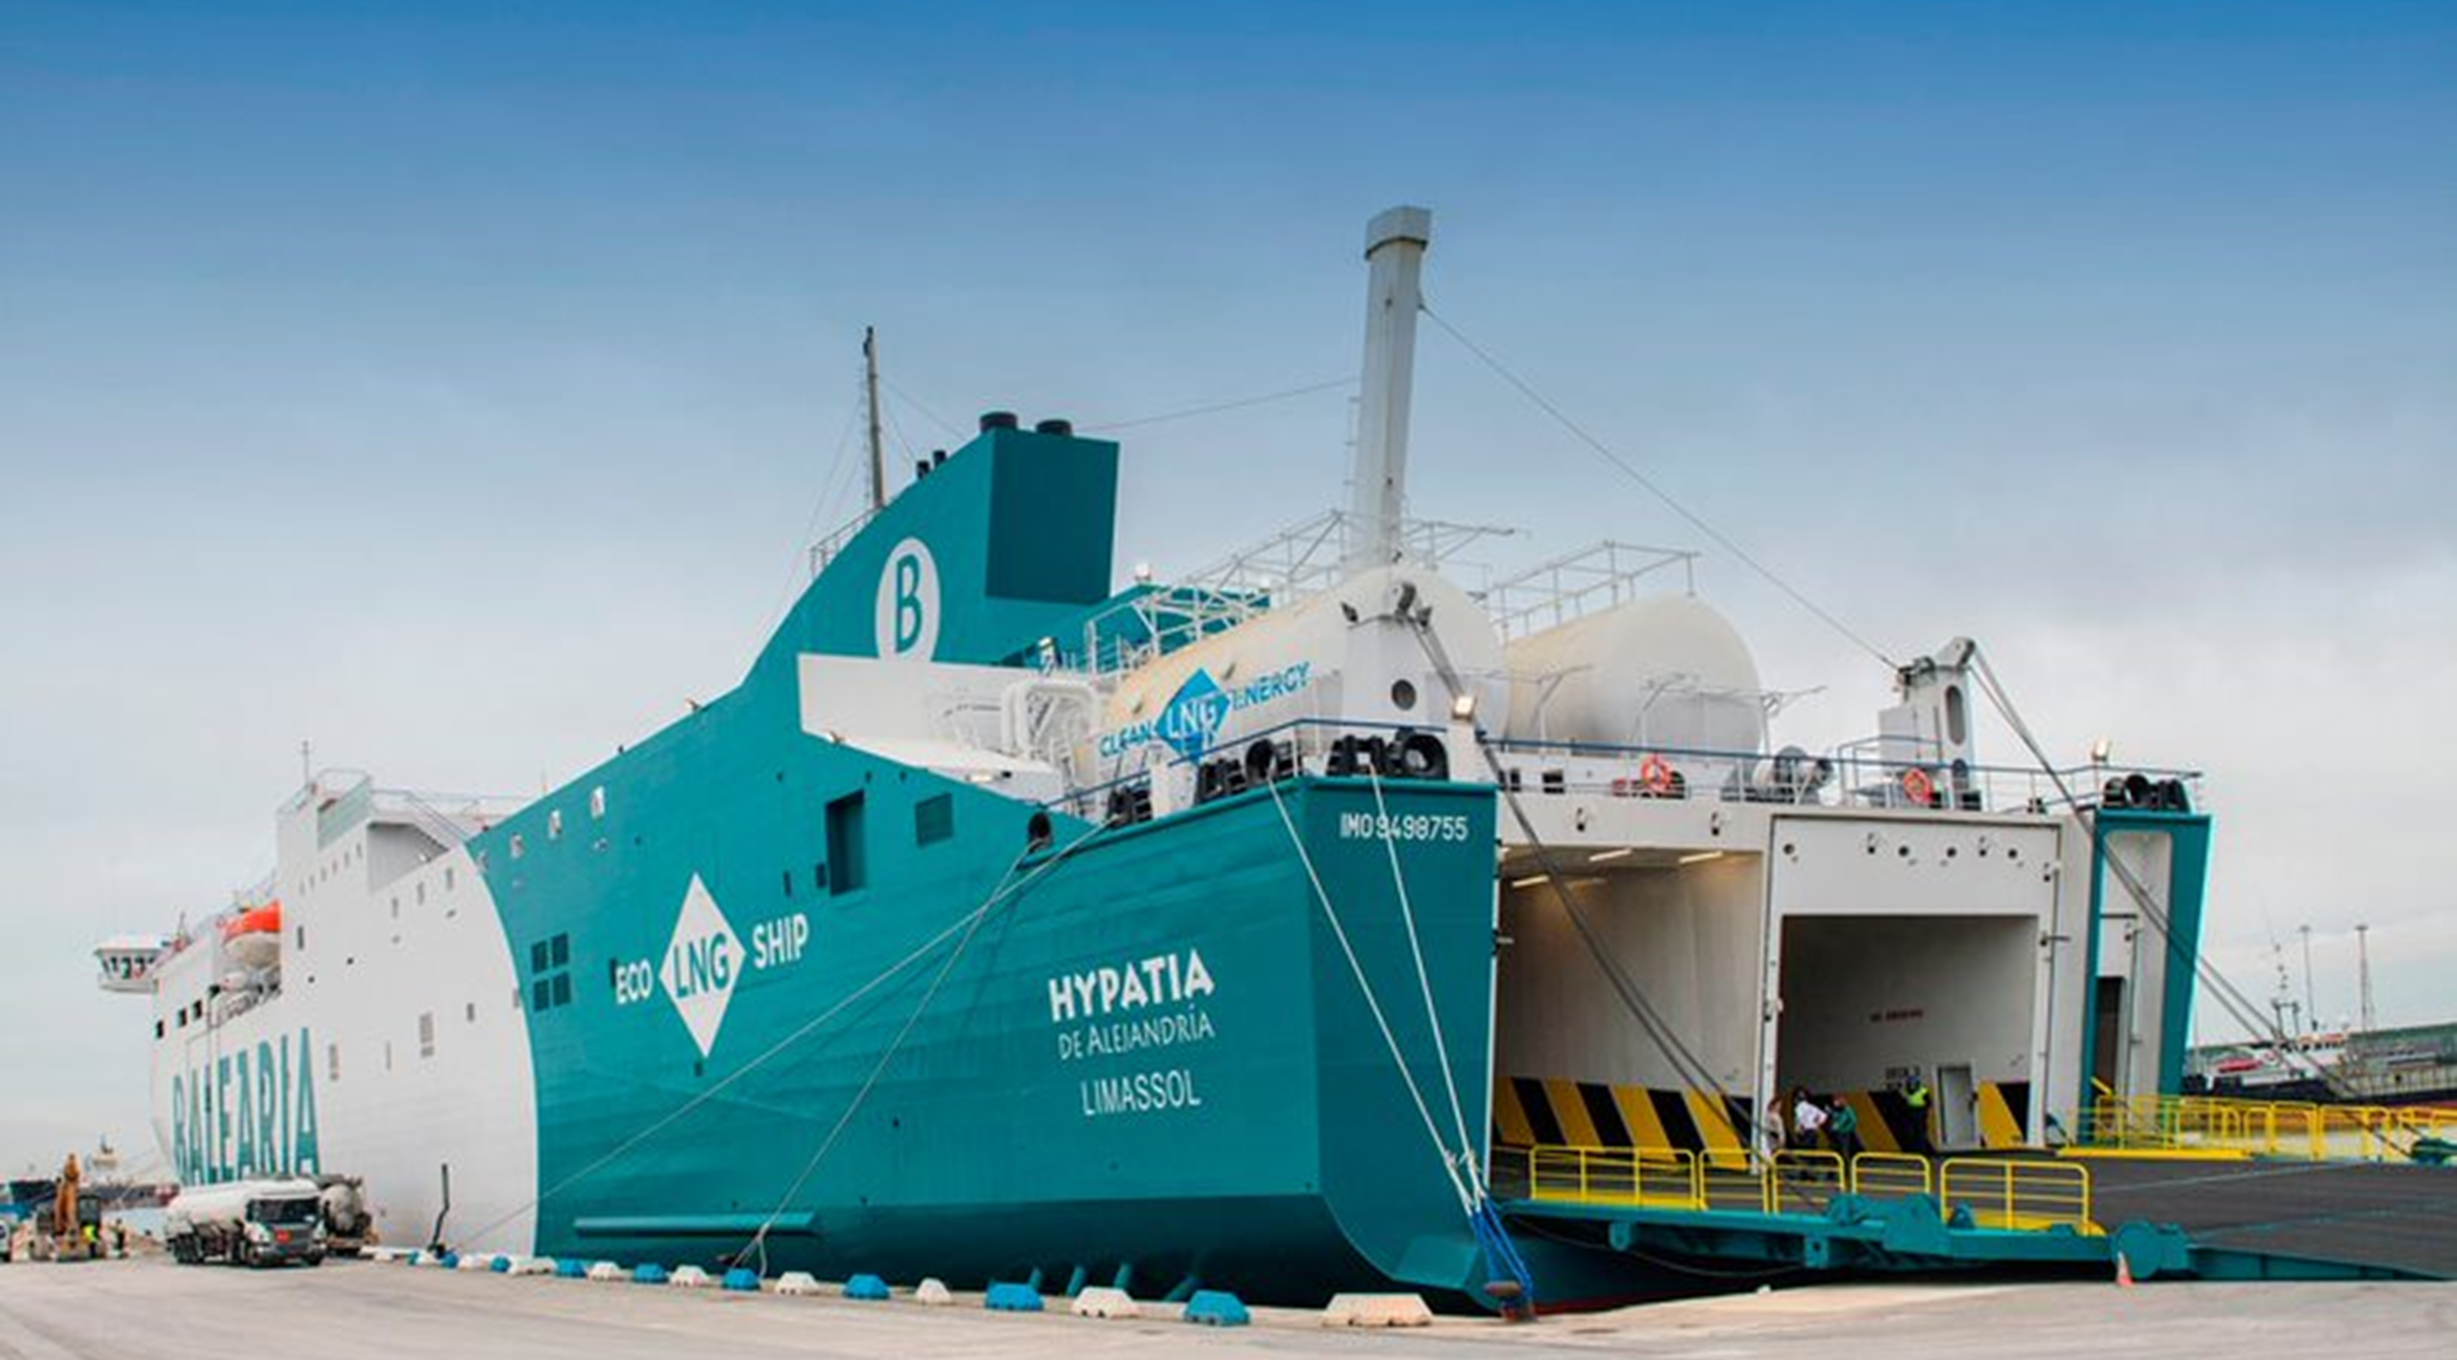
(1403, 695)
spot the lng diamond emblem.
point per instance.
(700, 964)
(1194, 715)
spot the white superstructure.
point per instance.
(386, 1037)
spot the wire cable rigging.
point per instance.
(1696, 521)
(1215, 408)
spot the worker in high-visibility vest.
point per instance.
(1915, 1095)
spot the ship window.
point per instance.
(933, 819)
(597, 801)
(1403, 695)
(472, 1010)
(517, 848)
(554, 825)
(551, 982)
(789, 882)
(301, 932)
(388, 1055)
(422, 894)
(845, 844)
(447, 878)
(158, 1029)
(332, 1062)
(396, 907)
(426, 1034)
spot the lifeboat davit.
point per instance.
(253, 938)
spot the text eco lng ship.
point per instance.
(1229, 930)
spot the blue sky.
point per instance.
(455, 385)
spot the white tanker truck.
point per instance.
(249, 1223)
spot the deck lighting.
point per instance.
(1463, 707)
(1528, 882)
(1608, 856)
(2100, 750)
(1701, 857)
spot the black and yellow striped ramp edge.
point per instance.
(1528, 1111)
(1557, 1111)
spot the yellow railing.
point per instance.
(1998, 1192)
(2308, 1132)
(1803, 1181)
(2017, 1194)
(1638, 1177)
(1892, 1175)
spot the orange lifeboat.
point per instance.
(254, 937)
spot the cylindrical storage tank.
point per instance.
(1341, 655)
(1664, 672)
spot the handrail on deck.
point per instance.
(2004, 1193)
(2295, 1130)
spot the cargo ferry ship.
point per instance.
(1011, 920)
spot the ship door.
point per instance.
(2105, 1050)
(1957, 1107)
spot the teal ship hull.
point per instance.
(1251, 1130)
(964, 1034)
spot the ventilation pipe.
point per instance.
(1395, 244)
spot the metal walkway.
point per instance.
(2390, 1216)
(2199, 1219)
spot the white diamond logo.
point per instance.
(700, 963)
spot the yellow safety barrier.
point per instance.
(1803, 1181)
(1891, 1175)
(1999, 1192)
(1653, 1178)
(2288, 1129)
(2018, 1194)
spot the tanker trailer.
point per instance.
(249, 1223)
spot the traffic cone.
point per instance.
(2124, 1272)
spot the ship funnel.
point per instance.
(1395, 244)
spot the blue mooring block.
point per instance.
(868, 1288)
(1217, 1308)
(572, 1268)
(742, 1279)
(648, 1273)
(1013, 1298)
(501, 1265)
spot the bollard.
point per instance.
(605, 1271)
(648, 1272)
(867, 1288)
(571, 1268)
(1100, 1301)
(1013, 1298)
(688, 1277)
(797, 1282)
(742, 1280)
(1377, 1310)
(1217, 1308)
(934, 1293)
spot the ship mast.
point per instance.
(2363, 976)
(870, 401)
(1395, 244)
